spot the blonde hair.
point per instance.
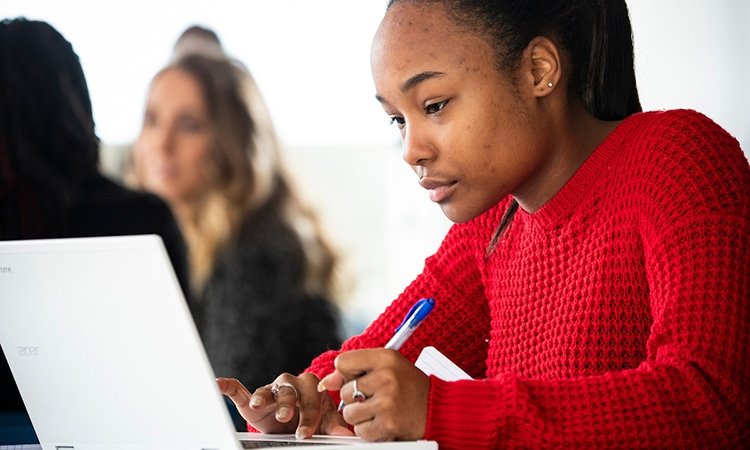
(245, 173)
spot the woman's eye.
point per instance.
(434, 108)
(149, 120)
(399, 121)
(190, 125)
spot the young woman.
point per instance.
(595, 284)
(261, 271)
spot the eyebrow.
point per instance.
(415, 80)
(418, 78)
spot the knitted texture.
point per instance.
(255, 318)
(616, 316)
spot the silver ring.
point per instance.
(276, 387)
(357, 395)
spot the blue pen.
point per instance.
(413, 319)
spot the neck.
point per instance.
(573, 137)
(183, 211)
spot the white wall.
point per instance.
(311, 60)
(695, 54)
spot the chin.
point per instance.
(456, 215)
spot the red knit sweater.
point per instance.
(617, 315)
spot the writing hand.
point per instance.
(394, 406)
(295, 406)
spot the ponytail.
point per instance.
(503, 227)
(609, 89)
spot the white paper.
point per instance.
(432, 362)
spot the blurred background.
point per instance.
(311, 60)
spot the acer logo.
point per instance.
(28, 350)
(5, 270)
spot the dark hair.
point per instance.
(199, 32)
(198, 39)
(47, 141)
(595, 35)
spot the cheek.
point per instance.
(143, 159)
(140, 148)
(196, 159)
(495, 160)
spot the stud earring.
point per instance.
(549, 85)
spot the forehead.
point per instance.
(417, 37)
(176, 84)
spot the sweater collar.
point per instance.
(572, 194)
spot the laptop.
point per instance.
(106, 355)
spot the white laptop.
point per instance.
(106, 355)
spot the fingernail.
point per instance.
(282, 412)
(302, 433)
(322, 385)
(256, 401)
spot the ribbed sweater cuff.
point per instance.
(454, 414)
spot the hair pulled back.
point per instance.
(595, 35)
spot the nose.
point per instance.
(416, 147)
(161, 140)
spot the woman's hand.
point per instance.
(392, 399)
(288, 405)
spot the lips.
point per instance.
(439, 189)
(164, 171)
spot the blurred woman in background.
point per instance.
(262, 272)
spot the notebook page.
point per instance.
(432, 362)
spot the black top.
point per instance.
(112, 210)
(254, 318)
(108, 209)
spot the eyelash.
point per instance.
(432, 108)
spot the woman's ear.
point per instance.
(546, 65)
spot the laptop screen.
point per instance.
(106, 355)
(103, 348)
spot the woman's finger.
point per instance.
(310, 406)
(332, 422)
(249, 406)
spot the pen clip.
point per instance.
(419, 310)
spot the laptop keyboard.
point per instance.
(270, 444)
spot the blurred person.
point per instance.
(50, 184)
(201, 40)
(262, 271)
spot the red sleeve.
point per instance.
(452, 277)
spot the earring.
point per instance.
(549, 85)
